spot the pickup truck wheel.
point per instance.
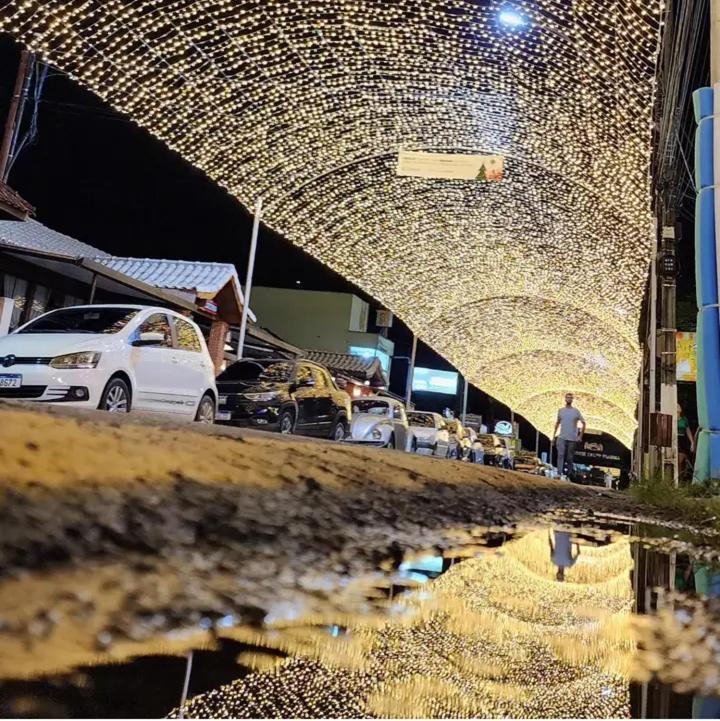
(339, 430)
(286, 422)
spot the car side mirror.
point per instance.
(306, 383)
(149, 338)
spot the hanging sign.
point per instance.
(483, 168)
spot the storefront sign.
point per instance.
(602, 450)
(483, 168)
(503, 428)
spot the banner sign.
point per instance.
(686, 356)
(483, 168)
(602, 450)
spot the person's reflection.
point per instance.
(561, 552)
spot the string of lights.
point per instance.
(308, 103)
(493, 637)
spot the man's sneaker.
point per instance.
(563, 477)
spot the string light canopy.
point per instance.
(306, 103)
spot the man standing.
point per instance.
(572, 426)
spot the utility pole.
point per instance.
(411, 371)
(12, 116)
(465, 396)
(249, 278)
(667, 345)
(652, 361)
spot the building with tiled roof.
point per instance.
(12, 205)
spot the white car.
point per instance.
(111, 357)
(380, 421)
(431, 433)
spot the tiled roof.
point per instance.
(355, 365)
(198, 276)
(12, 198)
(35, 236)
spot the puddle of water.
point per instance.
(602, 619)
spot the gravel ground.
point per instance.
(127, 536)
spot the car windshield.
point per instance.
(424, 420)
(81, 320)
(375, 408)
(247, 371)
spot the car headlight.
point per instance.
(376, 433)
(263, 397)
(86, 359)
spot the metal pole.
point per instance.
(652, 394)
(249, 278)
(93, 287)
(465, 395)
(12, 113)
(537, 443)
(186, 683)
(411, 370)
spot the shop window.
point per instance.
(15, 288)
(39, 303)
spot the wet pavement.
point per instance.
(609, 619)
(276, 577)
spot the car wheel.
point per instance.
(116, 397)
(206, 410)
(339, 430)
(285, 425)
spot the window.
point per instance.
(371, 406)
(320, 380)
(248, 372)
(158, 323)
(15, 288)
(398, 413)
(423, 420)
(82, 320)
(187, 338)
(39, 303)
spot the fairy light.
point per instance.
(307, 103)
(469, 648)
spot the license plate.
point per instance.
(223, 415)
(10, 380)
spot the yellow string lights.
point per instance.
(306, 104)
(494, 637)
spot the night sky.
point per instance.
(95, 175)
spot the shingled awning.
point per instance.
(12, 205)
(352, 366)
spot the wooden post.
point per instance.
(12, 113)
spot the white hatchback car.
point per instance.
(111, 357)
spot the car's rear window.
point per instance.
(424, 420)
(248, 371)
(376, 408)
(81, 320)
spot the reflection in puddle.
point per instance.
(569, 622)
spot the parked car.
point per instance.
(460, 443)
(288, 396)
(431, 433)
(112, 357)
(382, 422)
(487, 444)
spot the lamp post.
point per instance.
(249, 278)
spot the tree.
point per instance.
(482, 175)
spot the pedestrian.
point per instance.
(572, 427)
(561, 553)
(686, 442)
